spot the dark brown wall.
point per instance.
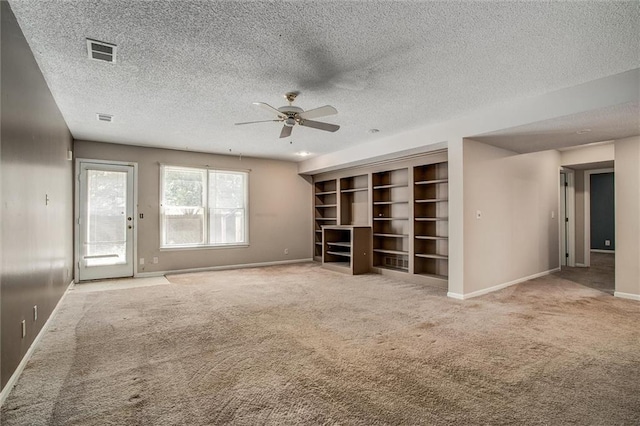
(36, 241)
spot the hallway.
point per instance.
(599, 276)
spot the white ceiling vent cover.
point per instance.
(101, 51)
(104, 117)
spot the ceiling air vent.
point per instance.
(104, 117)
(101, 51)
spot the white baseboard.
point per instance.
(499, 286)
(455, 295)
(27, 356)
(627, 295)
(581, 265)
(221, 268)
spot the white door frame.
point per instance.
(76, 212)
(587, 210)
(568, 211)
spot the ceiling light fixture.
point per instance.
(303, 153)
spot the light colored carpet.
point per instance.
(301, 345)
(601, 275)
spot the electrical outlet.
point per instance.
(155, 260)
(607, 243)
(286, 251)
(35, 312)
(24, 328)
(553, 214)
(142, 260)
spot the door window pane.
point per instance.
(106, 219)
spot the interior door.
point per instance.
(106, 221)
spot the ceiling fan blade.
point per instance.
(318, 112)
(270, 108)
(251, 122)
(286, 132)
(318, 125)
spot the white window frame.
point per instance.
(207, 216)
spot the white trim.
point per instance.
(630, 296)
(581, 265)
(569, 213)
(455, 295)
(603, 251)
(222, 268)
(27, 356)
(500, 286)
(587, 211)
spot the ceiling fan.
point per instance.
(291, 115)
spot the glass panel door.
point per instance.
(106, 221)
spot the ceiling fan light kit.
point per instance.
(291, 115)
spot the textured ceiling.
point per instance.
(188, 70)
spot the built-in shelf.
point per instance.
(431, 182)
(432, 256)
(354, 200)
(430, 237)
(390, 251)
(391, 219)
(340, 242)
(431, 211)
(326, 210)
(339, 253)
(404, 205)
(395, 185)
(346, 191)
(433, 200)
(385, 203)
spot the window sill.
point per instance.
(216, 247)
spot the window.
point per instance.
(202, 207)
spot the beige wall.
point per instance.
(516, 236)
(280, 207)
(627, 196)
(36, 244)
(596, 153)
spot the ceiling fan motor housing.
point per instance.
(291, 112)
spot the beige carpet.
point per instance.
(301, 345)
